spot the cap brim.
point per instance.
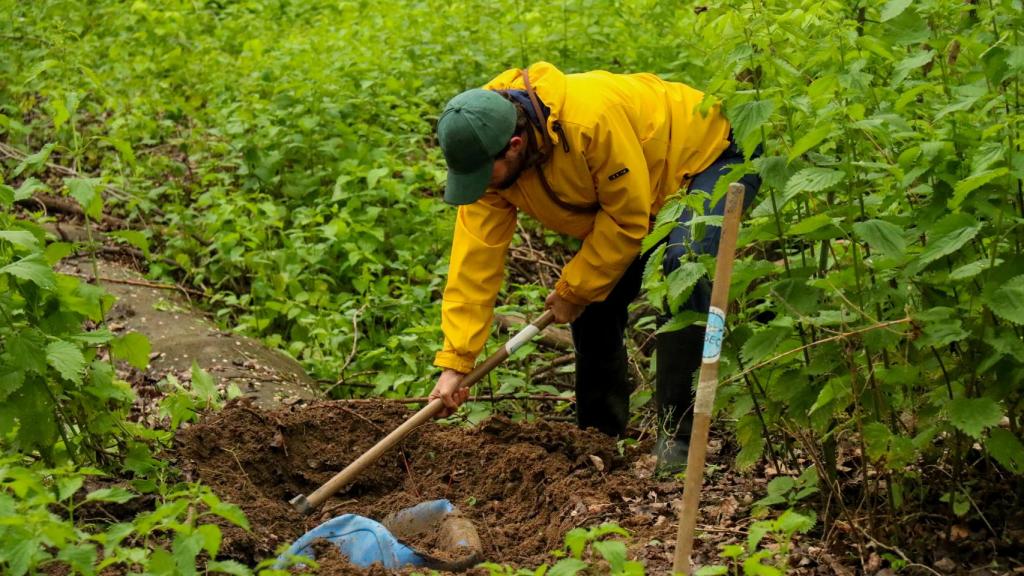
(467, 187)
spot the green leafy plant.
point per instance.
(585, 549)
(758, 559)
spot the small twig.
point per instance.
(351, 354)
(842, 336)
(556, 363)
(897, 551)
(361, 417)
(14, 153)
(240, 467)
(330, 511)
(142, 283)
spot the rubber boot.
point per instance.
(679, 358)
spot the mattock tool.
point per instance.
(306, 504)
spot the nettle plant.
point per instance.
(586, 550)
(58, 397)
(879, 300)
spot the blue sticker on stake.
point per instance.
(713, 335)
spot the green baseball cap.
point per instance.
(474, 127)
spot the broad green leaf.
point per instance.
(567, 567)
(907, 65)
(958, 106)
(59, 113)
(133, 348)
(1006, 449)
(680, 321)
(231, 513)
(133, 237)
(968, 185)
(973, 415)
(26, 350)
(11, 378)
(614, 552)
(809, 140)
(763, 343)
(57, 251)
(124, 148)
(1007, 301)
(749, 116)
(1006, 342)
(941, 327)
(67, 486)
(972, 269)
(881, 236)
(94, 337)
(202, 383)
(161, 563)
(808, 225)
(791, 522)
(32, 268)
(115, 494)
(6, 196)
(80, 556)
(752, 567)
(660, 232)
(893, 8)
(19, 555)
(66, 359)
(86, 191)
(751, 436)
(945, 237)
(796, 297)
(20, 238)
(814, 179)
(682, 280)
(34, 161)
(184, 550)
(373, 176)
(29, 187)
(228, 567)
(576, 541)
(876, 440)
(711, 571)
(32, 406)
(211, 537)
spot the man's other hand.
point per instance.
(564, 310)
(447, 389)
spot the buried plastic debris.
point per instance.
(364, 541)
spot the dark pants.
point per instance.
(602, 383)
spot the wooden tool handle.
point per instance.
(708, 381)
(306, 504)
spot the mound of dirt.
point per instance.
(524, 485)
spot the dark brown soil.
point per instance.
(524, 485)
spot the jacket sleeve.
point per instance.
(616, 161)
(483, 231)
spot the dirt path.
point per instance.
(179, 335)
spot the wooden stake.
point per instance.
(708, 382)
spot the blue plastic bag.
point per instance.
(362, 540)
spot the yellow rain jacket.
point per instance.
(630, 141)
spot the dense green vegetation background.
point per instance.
(280, 154)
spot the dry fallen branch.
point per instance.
(483, 398)
(842, 336)
(552, 337)
(129, 282)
